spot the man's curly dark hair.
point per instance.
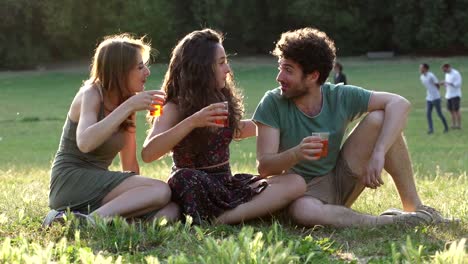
(310, 48)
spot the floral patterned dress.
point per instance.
(206, 193)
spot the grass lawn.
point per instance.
(33, 107)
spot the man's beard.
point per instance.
(294, 94)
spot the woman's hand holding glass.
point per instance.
(209, 115)
(147, 100)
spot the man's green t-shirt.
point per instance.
(341, 105)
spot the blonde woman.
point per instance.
(101, 124)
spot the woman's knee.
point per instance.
(162, 191)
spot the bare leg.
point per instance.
(282, 190)
(309, 211)
(398, 165)
(135, 196)
(358, 149)
(458, 118)
(171, 212)
(454, 119)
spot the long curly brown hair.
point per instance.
(190, 81)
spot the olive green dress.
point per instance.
(79, 181)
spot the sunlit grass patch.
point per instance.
(29, 136)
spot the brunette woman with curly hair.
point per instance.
(199, 85)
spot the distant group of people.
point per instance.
(452, 83)
(315, 185)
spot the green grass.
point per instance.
(33, 107)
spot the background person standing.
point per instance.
(430, 81)
(453, 82)
(339, 76)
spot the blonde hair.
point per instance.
(113, 60)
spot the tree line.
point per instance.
(41, 31)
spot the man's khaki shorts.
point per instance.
(335, 187)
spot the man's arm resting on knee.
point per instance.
(269, 161)
(396, 110)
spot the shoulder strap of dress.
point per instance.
(101, 108)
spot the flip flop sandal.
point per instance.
(53, 216)
(436, 215)
(84, 219)
(392, 212)
(413, 218)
